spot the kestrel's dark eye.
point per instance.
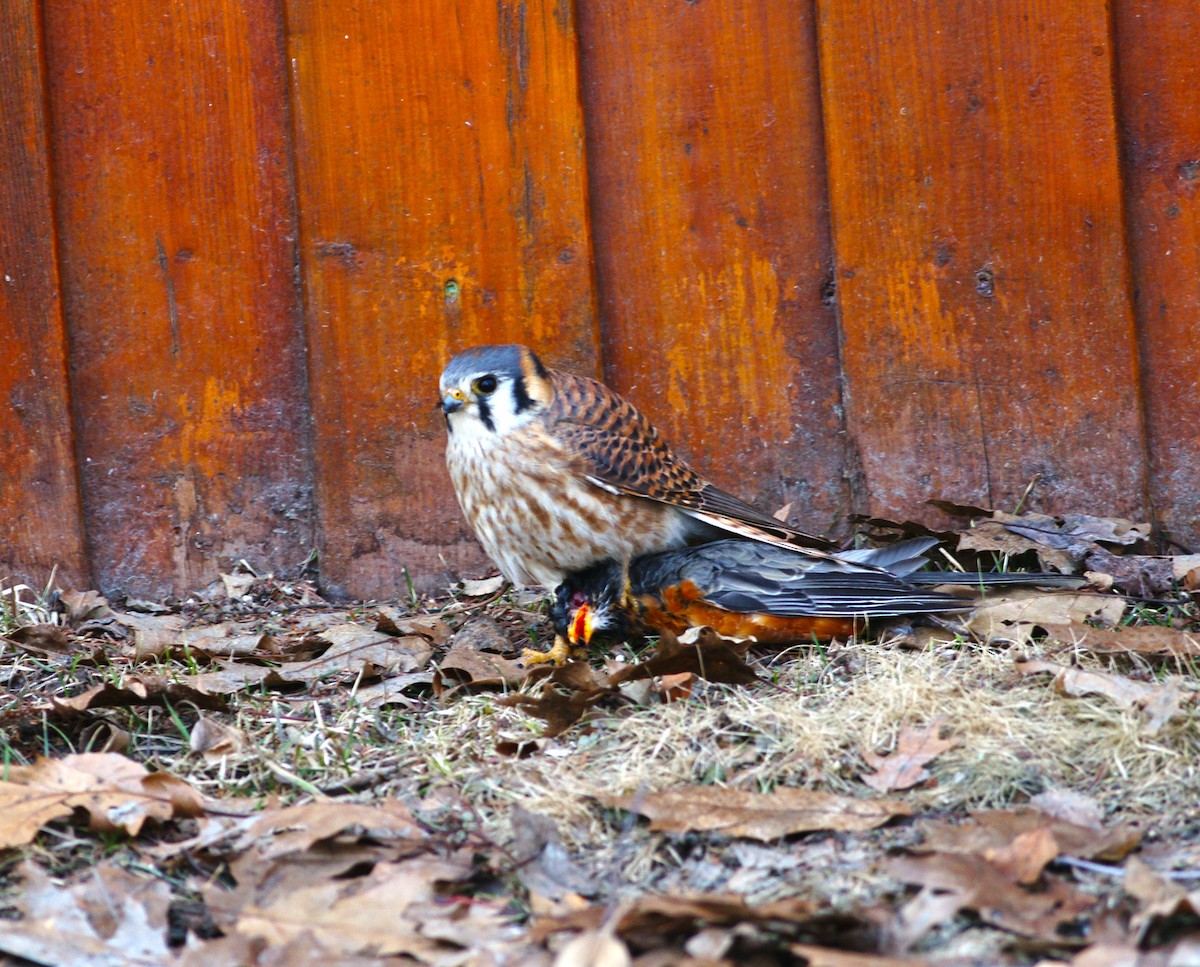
(486, 384)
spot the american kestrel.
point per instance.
(744, 589)
(556, 472)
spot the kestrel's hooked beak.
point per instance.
(582, 626)
(453, 401)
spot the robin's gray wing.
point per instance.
(619, 450)
(755, 578)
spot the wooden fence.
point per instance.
(849, 256)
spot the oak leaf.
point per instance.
(761, 816)
(106, 918)
(115, 792)
(1019, 615)
(990, 891)
(1160, 703)
(905, 766)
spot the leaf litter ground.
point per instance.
(256, 777)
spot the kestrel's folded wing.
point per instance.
(616, 448)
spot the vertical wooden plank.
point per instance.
(1158, 77)
(176, 217)
(712, 239)
(39, 499)
(442, 196)
(982, 277)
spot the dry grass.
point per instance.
(806, 727)
(805, 724)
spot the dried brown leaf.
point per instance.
(658, 916)
(142, 691)
(987, 889)
(1107, 954)
(400, 690)
(992, 535)
(105, 736)
(228, 640)
(42, 639)
(699, 651)
(1186, 570)
(1151, 640)
(349, 650)
(904, 767)
(1160, 702)
(594, 948)
(1160, 898)
(1019, 615)
(391, 622)
(139, 691)
(543, 864)
(107, 917)
(353, 647)
(993, 830)
(815, 956)
(116, 793)
(1135, 574)
(675, 688)
(343, 832)
(303, 951)
(925, 911)
(82, 607)
(483, 588)
(203, 637)
(476, 660)
(1026, 856)
(237, 586)
(1070, 806)
(566, 693)
(233, 677)
(1077, 682)
(1074, 531)
(383, 912)
(761, 816)
(295, 829)
(153, 634)
(215, 740)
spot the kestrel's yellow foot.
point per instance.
(560, 653)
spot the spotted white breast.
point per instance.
(538, 519)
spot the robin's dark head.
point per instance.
(493, 389)
(589, 603)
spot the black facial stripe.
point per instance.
(485, 413)
(537, 365)
(521, 396)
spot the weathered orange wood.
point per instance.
(39, 501)
(712, 240)
(983, 284)
(1158, 74)
(443, 204)
(177, 239)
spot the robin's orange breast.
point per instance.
(682, 606)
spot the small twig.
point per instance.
(1107, 869)
(364, 780)
(1104, 869)
(1025, 496)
